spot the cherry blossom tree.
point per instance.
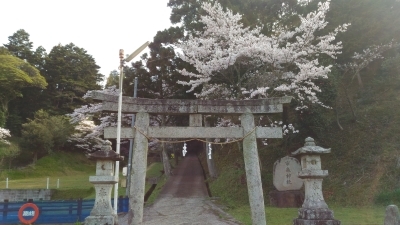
(363, 59)
(87, 135)
(353, 68)
(4, 133)
(236, 62)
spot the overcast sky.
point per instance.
(100, 27)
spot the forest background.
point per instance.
(39, 91)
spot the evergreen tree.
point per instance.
(70, 72)
(158, 80)
(265, 13)
(20, 45)
(28, 103)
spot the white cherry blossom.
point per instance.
(286, 61)
(4, 133)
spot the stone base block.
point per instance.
(315, 222)
(286, 199)
(315, 214)
(315, 217)
(100, 220)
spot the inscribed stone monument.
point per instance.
(285, 174)
(287, 183)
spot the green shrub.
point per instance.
(45, 133)
(388, 198)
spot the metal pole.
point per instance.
(58, 183)
(128, 183)
(47, 183)
(7, 183)
(121, 77)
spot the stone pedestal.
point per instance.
(286, 199)
(314, 210)
(102, 212)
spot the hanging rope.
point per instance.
(192, 139)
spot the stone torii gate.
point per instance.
(195, 109)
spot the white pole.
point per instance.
(121, 77)
(7, 183)
(58, 183)
(47, 183)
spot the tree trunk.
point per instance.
(351, 105)
(35, 155)
(165, 160)
(167, 165)
(176, 157)
(359, 79)
(337, 116)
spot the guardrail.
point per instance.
(55, 212)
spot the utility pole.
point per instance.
(118, 148)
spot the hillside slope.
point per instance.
(365, 161)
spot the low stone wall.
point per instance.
(14, 195)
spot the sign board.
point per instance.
(124, 171)
(28, 213)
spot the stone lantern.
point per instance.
(314, 210)
(102, 212)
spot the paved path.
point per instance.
(184, 200)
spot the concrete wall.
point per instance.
(14, 195)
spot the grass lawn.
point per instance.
(65, 182)
(285, 216)
(73, 174)
(72, 171)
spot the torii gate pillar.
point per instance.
(138, 174)
(253, 175)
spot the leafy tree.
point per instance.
(368, 40)
(264, 13)
(112, 79)
(24, 107)
(373, 23)
(45, 134)
(15, 74)
(20, 45)
(70, 72)
(159, 74)
(158, 80)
